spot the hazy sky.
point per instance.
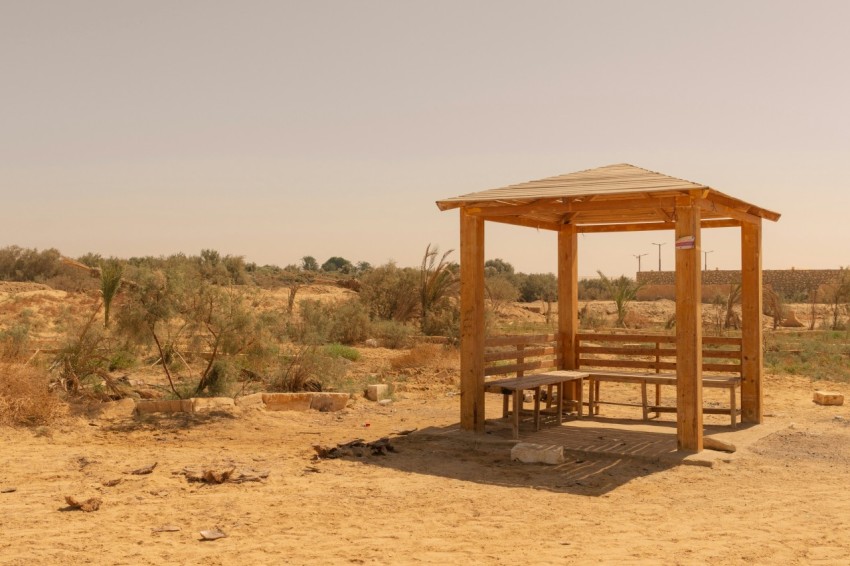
(279, 129)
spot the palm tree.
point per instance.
(622, 291)
(436, 281)
(110, 280)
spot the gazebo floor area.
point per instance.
(617, 432)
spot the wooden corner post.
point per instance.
(688, 326)
(471, 322)
(751, 335)
(568, 295)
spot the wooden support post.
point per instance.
(471, 322)
(751, 335)
(568, 301)
(688, 328)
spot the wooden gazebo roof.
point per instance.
(606, 199)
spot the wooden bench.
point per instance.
(650, 360)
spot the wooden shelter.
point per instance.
(616, 198)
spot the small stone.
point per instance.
(329, 402)
(537, 454)
(371, 343)
(253, 401)
(385, 402)
(828, 398)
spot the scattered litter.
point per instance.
(406, 432)
(165, 529)
(144, 470)
(222, 475)
(91, 504)
(212, 535)
(380, 447)
(312, 469)
(112, 483)
(8, 490)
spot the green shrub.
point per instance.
(14, 342)
(121, 360)
(392, 334)
(320, 323)
(340, 351)
(350, 323)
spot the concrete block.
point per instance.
(164, 406)
(253, 401)
(288, 401)
(828, 398)
(537, 453)
(377, 391)
(711, 443)
(207, 404)
(329, 402)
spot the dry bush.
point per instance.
(24, 397)
(432, 356)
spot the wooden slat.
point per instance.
(731, 354)
(513, 354)
(722, 340)
(662, 338)
(619, 350)
(541, 364)
(516, 339)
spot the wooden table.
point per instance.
(514, 386)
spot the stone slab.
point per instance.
(537, 453)
(329, 402)
(288, 401)
(207, 404)
(828, 398)
(253, 401)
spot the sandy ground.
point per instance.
(783, 500)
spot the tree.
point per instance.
(500, 291)
(498, 267)
(436, 281)
(309, 263)
(337, 263)
(389, 292)
(110, 280)
(622, 291)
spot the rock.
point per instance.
(537, 453)
(253, 401)
(385, 402)
(371, 343)
(207, 404)
(710, 443)
(828, 398)
(329, 402)
(790, 320)
(288, 401)
(89, 505)
(377, 391)
(166, 406)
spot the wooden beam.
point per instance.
(751, 336)
(471, 322)
(637, 227)
(552, 206)
(525, 222)
(688, 329)
(721, 223)
(723, 210)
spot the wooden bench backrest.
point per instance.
(520, 354)
(654, 353)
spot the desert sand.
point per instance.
(783, 500)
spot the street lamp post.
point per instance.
(638, 258)
(659, 253)
(705, 264)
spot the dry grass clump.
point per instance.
(431, 356)
(24, 397)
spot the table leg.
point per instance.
(517, 407)
(536, 408)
